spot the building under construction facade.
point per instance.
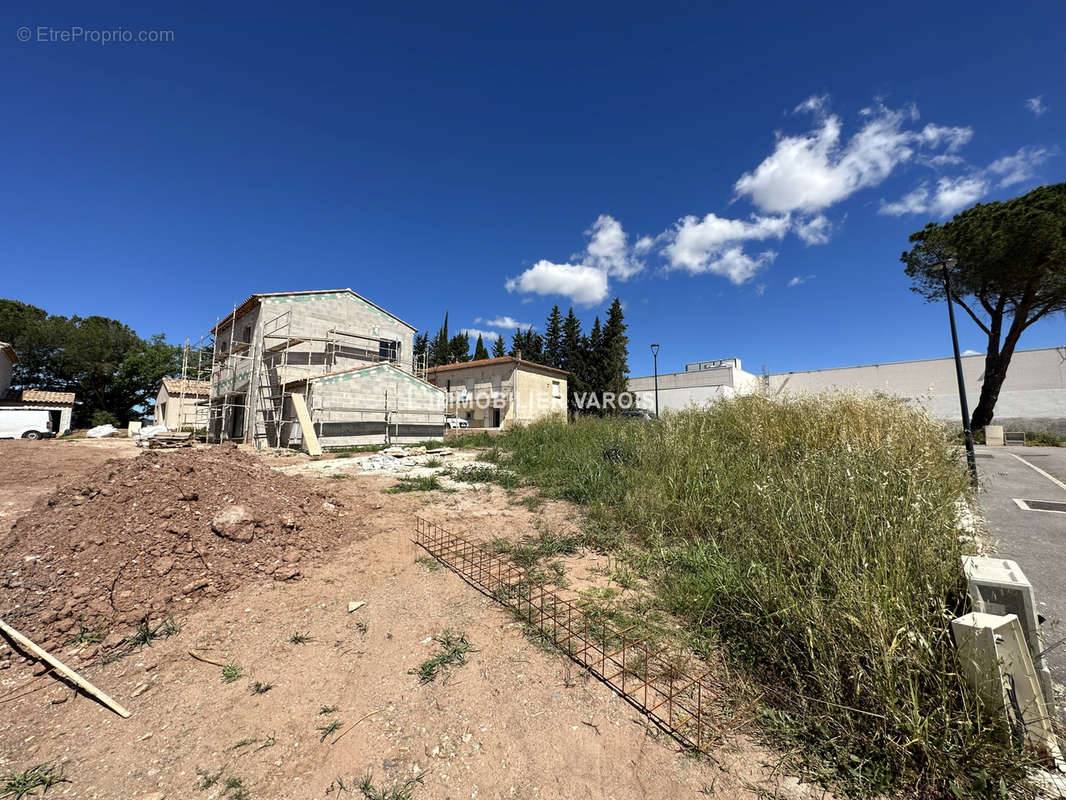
(345, 360)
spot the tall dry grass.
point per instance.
(817, 539)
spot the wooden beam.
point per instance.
(62, 669)
(306, 428)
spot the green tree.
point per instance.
(592, 376)
(529, 344)
(499, 349)
(553, 339)
(614, 352)
(458, 348)
(421, 345)
(1007, 267)
(480, 352)
(108, 367)
(573, 356)
(440, 347)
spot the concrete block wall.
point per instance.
(352, 408)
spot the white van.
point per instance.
(25, 423)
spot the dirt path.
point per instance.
(514, 722)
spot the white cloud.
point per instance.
(1020, 166)
(713, 245)
(812, 171)
(813, 104)
(508, 323)
(473, 333)
(584, 281)
(1036, 105)
(949, 196)
(608, 249)
(583, 284)
(801, 279)
(814, 230)
(970, 353)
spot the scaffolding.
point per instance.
(253, 376)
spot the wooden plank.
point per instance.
(62, 669)
(306, 428)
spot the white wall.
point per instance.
(1035, 388)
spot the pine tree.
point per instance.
(529, 343)
(593, 368)
(614, 347)
(421, 345)
(573, 360)
(459, 348)
(553, 339)
(480, 352)
(499, 349)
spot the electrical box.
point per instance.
(998, 586)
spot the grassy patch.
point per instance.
(329, 729)
(453, 651)
(429, 563)
(398, 791)
(816, 538)
(481, 473)
(411, 483)
(146, 633)
(327, 710)
(261, 688)
(433, 463)
(17, 785)
(231, 673)
(300, 638)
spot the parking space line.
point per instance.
(1051, 478)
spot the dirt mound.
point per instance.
(147, 535)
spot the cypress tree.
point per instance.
(594, 367)
(479, 349)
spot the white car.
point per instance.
(455, 422)
(25, 423)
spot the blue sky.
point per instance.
(743, 178)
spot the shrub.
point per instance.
(102, 417)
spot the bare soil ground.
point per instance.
(514, 722)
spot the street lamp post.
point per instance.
(971, 458)
(655, 360)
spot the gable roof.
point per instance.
(255, 299)
(365, 370)
(178, 386)
(491, 362)
(9, 351)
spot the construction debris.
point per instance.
(355, 605)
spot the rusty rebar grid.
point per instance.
(678, 703)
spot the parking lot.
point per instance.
(1036, 539)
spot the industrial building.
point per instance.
(501, 392)
(1033, 395)
(345, 360)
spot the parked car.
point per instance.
(25, 423)
(637, 413)
(455, 422)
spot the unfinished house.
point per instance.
(501, 392)
(333, 356)
(181, 404)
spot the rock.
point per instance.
(144, 687)
(113, 640)
(234, 523)
(355, 605)
(291, 556)
(286, 573)
(193, 586)
(161, 566)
